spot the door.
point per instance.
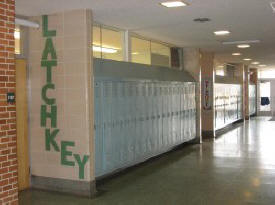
(265, 92)
(22, 125)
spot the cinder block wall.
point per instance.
(8, 156)
(61, 106)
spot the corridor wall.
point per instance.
(140, 111)
(60, 103)
(228, 104)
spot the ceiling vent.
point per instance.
(202, 20)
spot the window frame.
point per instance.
(135, 35)
(111, 28)
(129, 46)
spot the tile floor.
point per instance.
(236, 168)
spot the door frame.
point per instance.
(259, 112)
(22, 125)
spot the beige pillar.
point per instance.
(191, 61)
(207, 95)
(246, 92)
(254, 80)
(61, 103)
(253, 75)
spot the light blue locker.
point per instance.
(136, 119)
(228, 104)
(182, 111)
(98, 128)
(165, 129)
(160, 115)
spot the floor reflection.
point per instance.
(236, 168)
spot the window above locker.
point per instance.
(120, 45)
(107, 43)
(150, 52)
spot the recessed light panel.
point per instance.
(236, 54)
(255, 63)
(221, 33)
(243, 46)
(247, 59)
(262, 65)
(172, 4)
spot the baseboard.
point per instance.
(228, 127)
(206, 134)
(81, 188)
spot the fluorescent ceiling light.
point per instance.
(240, 42)
(243, 46)
(16, 34)
(236, 54)
(255, 63)
(104, 50)
(221, 33)
(262, 65)
(247, 59)
(171, 4)
(272, 4)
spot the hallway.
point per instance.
(237, 168)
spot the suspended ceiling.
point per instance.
(246, 19)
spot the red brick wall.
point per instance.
(8, 156)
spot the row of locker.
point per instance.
(252, 99)
(135, 120)
(228, 104)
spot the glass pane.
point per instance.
(140, 51)
(220, 70)
(17, 41)
(160, 54)
(267, 73)
(96, 42)
(112, 44)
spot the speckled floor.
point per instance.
(236, 168)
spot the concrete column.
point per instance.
(207, 95)
(246, 92)
(253, 75)
(191, 64)
(254, 80)
(61, 103)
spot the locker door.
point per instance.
(98, 130)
